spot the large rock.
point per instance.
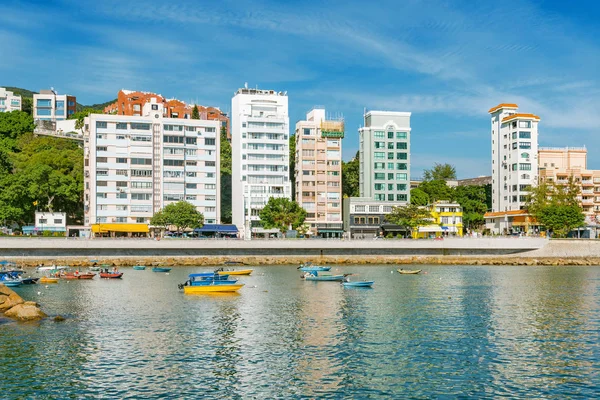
(13, 306)
(26, 312)
(8, 298)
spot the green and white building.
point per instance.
(385, 156)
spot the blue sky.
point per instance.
(447, 62)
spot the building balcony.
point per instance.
(587, 201)
(587, 191)
(587, 183)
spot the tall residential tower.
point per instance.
(385, 156)
(260, 155)
(514, 156)
(319, 172)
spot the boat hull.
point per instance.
(158, 269)
(211, 288)
(409, 272)
(11, 283)
(104, 275)
(358, 284)
(30, 281)
(48, 280)
(139, 267)
(240, 272)
(314, 269)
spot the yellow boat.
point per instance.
(409, 272)
(211, 288)
(45, 279)
(239, 272)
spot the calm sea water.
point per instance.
(479, 332)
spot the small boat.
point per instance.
(95, 268)
(160, 269)
(48, 279)
(211, 288)
(409, 272)
(310, 267)
(51, 268)
(111, 275)
(87, 275)
(11, 282)
(358, 284)
(208, 276)
(238, 272)
(29, 281)
(139, 267)
(314, 276)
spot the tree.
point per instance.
(292, 164)
(282, 213)
(437, 190)
(15, 123)
(473, 200)
(418, 197)
(351, 177)
(409, 217)
(443, 172)
(182, 215)
(195, 113)
(81, 115)
(225, 162)
(556, 207)
(27, 105)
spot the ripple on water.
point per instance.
(471, 332)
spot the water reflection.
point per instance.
(453, 332)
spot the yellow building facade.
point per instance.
(446, 220)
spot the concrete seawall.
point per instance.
(521, 251)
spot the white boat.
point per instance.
(51, 268)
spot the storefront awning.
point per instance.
(430, 228)
(217, 228)
(125, 228)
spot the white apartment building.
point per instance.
(260, 155)
(514, 156)
(136, 165)
(385, 156)
(48, 105)
(8, 101)
(319, 172)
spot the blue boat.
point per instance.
(10, 278)
(206, 279)
(160, 269)
(358, 284)
(140, 267)
(315, 276)
(309, 267)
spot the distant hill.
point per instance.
(24, 93)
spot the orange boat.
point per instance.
(74, 275)
(111, 275)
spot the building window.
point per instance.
(210, 186)
(524, 145)
(379, 155)
(379, 165)
(390, 197)
(139, 127)
(525, 167)
(174, 128)
(401, 186)
(101, 159)
(401, 177)
(514, 167)
(173, 139)
(101, 125)
(390, 135)
(390, 177)
(514, 146)
(524, 155)
(121, 125)
(379, 135)
(209, 141)
(171, 163)
(380, 197)
(141, 196)
(141, 172)
(524, 124)
(524, 135)
(401, 166)
(209, 129)
(359, 208)
(401, 156)
(401, 135)
(401, 146)
(121, 184)
(379, 186)
(380, 145)
(379, 176)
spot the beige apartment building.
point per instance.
(319, 172)
(557, 164)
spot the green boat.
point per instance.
(139, 267)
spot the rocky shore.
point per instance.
(13, 306)
(211, 261)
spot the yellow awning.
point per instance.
(128, 228)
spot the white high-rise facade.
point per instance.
(385, 156)
(8, 101)
(260, 155)
(136, 165)
(514, 156)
